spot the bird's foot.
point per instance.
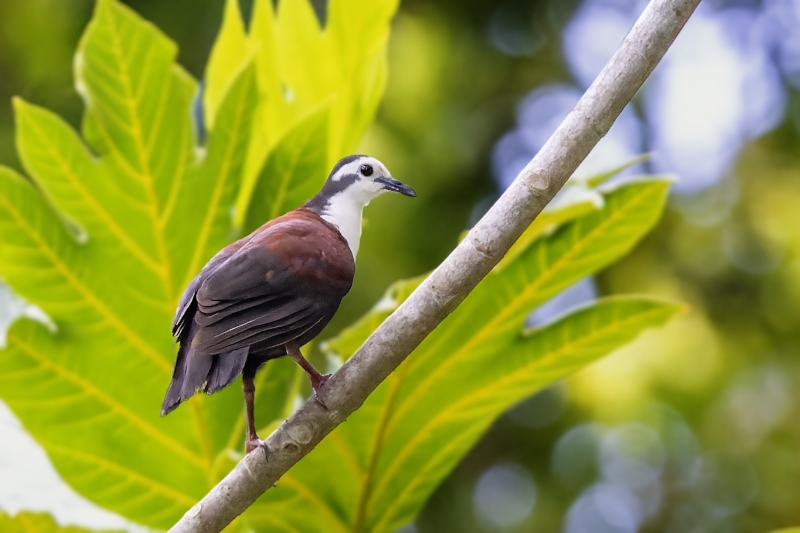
(318, 381)
(253, 443)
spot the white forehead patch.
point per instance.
(354, 166)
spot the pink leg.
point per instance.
(317, 379)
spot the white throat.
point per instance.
(344, 212)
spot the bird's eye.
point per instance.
(366, 170)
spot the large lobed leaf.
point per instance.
(103, 237)
(374, 472)
(153, 210)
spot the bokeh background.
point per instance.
(693, 428)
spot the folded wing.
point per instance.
(281, 284)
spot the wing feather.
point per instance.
(211, 314)
(249, 326)
(269, 288)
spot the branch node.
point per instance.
(291, 448)
(302, 433)
(537, 185)
(484, 248)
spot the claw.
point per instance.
(253, 444)
(318, 381)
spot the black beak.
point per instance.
(391, 184)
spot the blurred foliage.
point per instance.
(34, 523)
(105, 234)
(716, 391)
(715, 386)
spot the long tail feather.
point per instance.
(191, 371)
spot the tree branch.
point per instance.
(450, 283)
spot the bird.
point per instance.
(271, 292)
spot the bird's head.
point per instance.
(360, 178)
(353, 182)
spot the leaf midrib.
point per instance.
(199, 250)
(377, 446)
(132, 102)
(110, 401)
(84, 291)
(155, 486)
(118, 232)
(489, 389)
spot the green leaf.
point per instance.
(227, 57)
(357, 34)
(572, 202)
(577, 198)
(598, 179)
(153, 207)
(526, 366)
(345, 344)
(301, 68)
(374, 472)
(34, 523)
(294, 172)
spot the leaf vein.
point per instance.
(108, 400)
(84, 291)
(489, 390)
